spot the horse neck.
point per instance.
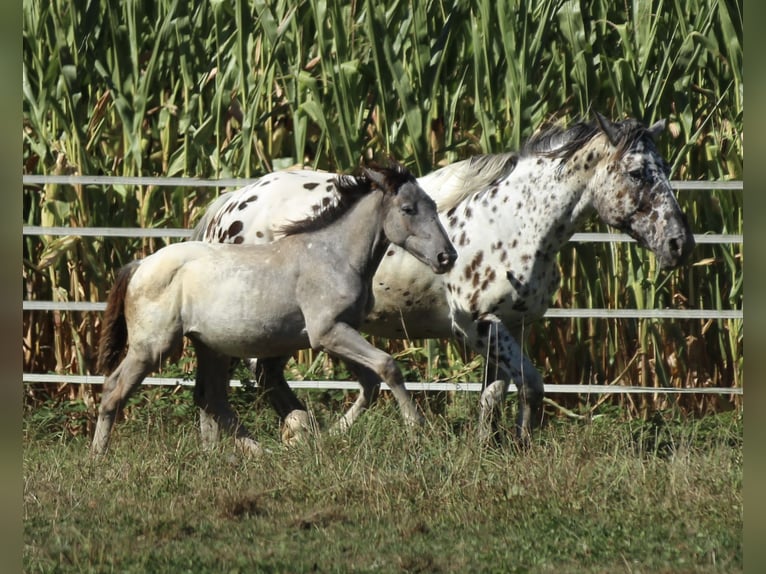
(453, 183)
(559, 196)
(358, 234)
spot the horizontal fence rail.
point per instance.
(234, 183)
(556, 313)
(28, 179)
(470, 387)
(183, 233)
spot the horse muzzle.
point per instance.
(445, 261)
(677, 250)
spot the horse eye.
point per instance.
(636, 174)
(409, 209)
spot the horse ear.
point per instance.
(607, 127)
(656, 128)
(376, 177)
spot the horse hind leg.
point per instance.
(118, 386)
(297, 422)
(211, 395)
(370, 389)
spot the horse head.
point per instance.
(411, 220)
(632, 192)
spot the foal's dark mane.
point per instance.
(562, 143)
(351, 189)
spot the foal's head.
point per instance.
(410, 218)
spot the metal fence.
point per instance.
(179, 233)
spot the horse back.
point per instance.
(257, 212)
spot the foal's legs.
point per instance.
(370, 383)
(506, 361)
(211, 395)
(270, 375)
(345, 342)
(118, 386)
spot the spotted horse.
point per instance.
(508, 215)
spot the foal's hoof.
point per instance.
(415, 421)
(249, 446)
(298, 425)
(97, 452)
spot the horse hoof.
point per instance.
(97, 452)
(298, 425)
(250, 446)
(416, 421)
(341, 427)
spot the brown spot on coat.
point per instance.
(235, 228)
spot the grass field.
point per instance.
(608, 495)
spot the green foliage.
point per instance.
(236, 89)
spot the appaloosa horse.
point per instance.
(509, 215)
(310, 288)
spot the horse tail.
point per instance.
(114, 333)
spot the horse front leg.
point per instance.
(297, 422)
(505, 362)
(345, 342)
(211, 395)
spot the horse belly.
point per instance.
(246, 313)
(409, 324)
(253, 336)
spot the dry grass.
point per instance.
(606, 496)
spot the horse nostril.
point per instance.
(675, 246)
(680, 247)
(446, 258)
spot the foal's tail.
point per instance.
(114, 333)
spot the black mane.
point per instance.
(351, 188)
(562, 143)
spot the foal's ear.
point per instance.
(607, 127)
(376, 177)
(656, 128)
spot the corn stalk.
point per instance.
(233, 88)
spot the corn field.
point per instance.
(229, 88)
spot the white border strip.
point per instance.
(412, 386)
